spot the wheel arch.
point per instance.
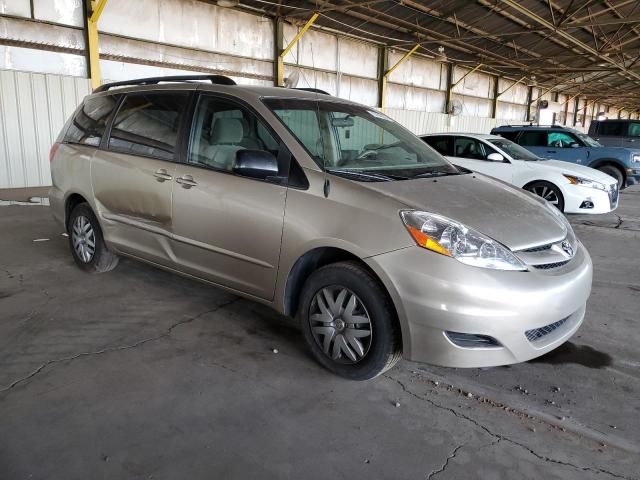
(70, 203)
(612, 162)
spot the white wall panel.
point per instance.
(415, 98)
(512, 112)
(476, 84)
(20, 8)
(416, 71)
(314, 79)
(357, 58)
(191, 23)
(515, 94)
(358, 90)
(30, 60)
(430, 122)
(33, 109)
(67, 12)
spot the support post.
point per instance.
(576, 104)
(383, 63)
(529, 102)
(496, 95)
(449, 91)
(278, 61)
(94, 10)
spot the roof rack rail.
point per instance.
(314, 90)
(534, 125)
(215, 79)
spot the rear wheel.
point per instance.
(348, 322)
(613, 172)
(549, 192)
(87, 244)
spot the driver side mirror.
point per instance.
(255, 164)
(495, 157)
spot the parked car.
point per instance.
(326, 210)
(571, 188)
(566, 144)
(616, 133)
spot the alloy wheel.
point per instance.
(547, 193)
(83, 238)
(340, 324)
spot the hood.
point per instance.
(620, 153)
(507, 214)
(573, 169)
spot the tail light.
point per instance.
(52, 152)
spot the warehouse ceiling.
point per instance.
(586, 47)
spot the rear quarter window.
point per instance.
(89, 122)
(148, 124)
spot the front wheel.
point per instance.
(87, 244)
(348, 322)
(549, 192)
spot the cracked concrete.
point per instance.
(142, 374)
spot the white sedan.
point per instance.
(572, 188)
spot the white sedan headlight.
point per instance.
(585, 182)
(448, 237)
(635, 158)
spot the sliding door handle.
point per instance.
(186, 181)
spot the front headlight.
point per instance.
(635, 158)
(585, 182)
(448, 237)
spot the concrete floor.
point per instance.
(142, 374)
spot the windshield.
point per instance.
(358, 142)
(588, 141)
(514, 150)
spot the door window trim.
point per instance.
(104, 145)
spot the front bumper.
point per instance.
(580, 199)
(435, 294)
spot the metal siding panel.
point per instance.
(26, 121)
(33, 109)
(15, 176)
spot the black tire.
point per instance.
(615, 173)
(102, 260)
(384, 347)
(547, 190)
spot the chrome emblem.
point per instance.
(568, 249)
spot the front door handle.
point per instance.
(551, 151)
(186, 181)
(162, 175)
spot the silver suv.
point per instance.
(327, 211)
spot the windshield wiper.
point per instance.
(355, 173)
(436, 173)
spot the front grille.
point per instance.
(540, 248)
(538, 333)
(549, 266)
(613, 195)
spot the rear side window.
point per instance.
(88, 125)
(634, 129)
(148, 124)
(615, 129)
(533, 139)
(442, 145)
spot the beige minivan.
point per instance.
(324, 209)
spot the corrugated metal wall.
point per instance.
(33, 109)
